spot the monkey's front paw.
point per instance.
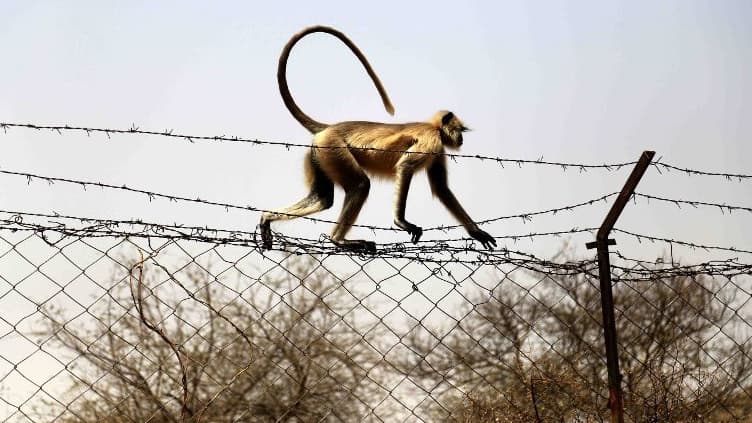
(415, 231)
(483, 237)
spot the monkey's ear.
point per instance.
(447, 118)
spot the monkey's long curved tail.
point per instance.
(309, 123)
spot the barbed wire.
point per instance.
(18, 216)
(694, 246)
(659, 165)
(722, 207)
(104, 227)
(525, 217)
(461, 250)
(644, 270)
(222, 138)
(191, 231)
(582, 167)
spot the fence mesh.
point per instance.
(131, 322)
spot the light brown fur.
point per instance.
(347, 153)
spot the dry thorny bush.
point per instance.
(250, 356)
(284, 350)
(531, 357)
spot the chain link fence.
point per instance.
(128, 322)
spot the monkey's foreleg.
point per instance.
(401, 187)
(437, 177)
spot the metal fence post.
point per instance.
(616, 402)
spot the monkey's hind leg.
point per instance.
(345, 171)
(355, 196)
(320, 197)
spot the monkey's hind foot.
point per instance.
(360, 245)
(266, 235)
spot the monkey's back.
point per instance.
(378, 147)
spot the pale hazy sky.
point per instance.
(577, 81)
(588, 82)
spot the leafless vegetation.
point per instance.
(255, 358)
(522, 356)
(162, 351)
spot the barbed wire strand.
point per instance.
(100, 228)
(199, 231)
(641, 237)
(222, 138)
(438, 251)
(525, 217)
(658, 165)
(160, 227)
(657, 270)
(435, 251)
(739, 177)
(722, 207)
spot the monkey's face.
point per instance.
(451, 131)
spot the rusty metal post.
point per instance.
(616, 401)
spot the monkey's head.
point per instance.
(450, 129)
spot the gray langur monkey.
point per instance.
(353, 150)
